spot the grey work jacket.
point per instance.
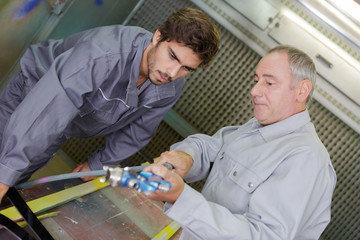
(267, 182)
(84, 86)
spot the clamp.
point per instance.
(145, 182)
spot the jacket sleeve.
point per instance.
(296, 197)
(203, 149)
(37, 121)
(45, 112)
(127, 141)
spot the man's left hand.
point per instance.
(83, 167)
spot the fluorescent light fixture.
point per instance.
(346, 12)
(336, 19)
(322, 38)
(349, 7)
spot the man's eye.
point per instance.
(188, 69)
(270, 83)
(172, 55)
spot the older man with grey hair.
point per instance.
(272, 177)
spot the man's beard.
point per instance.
(151, 64)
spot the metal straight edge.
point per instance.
(72, 175)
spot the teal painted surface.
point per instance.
(18, 30)
(40, 22)
(86, 14)
(180, 125)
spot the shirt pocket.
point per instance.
(107, 110)
(231, 184)
(244, 182)
(245, 178)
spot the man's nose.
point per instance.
(256, 90)
(173, 70)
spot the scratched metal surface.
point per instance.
(109, 213)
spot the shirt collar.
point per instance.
(283, 127)
(132, 98)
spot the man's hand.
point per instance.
(3, 191)
(177, 183)
(84, 167)
(181, 161)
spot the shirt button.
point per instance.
(234, 173)
(250, 184)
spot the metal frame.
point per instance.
(33, 222)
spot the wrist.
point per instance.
(3, 189)
(177, 193)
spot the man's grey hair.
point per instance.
(301, 66)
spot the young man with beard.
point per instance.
(116, 80)
(272, 178)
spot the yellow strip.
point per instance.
(167, 232)
(52, 214)
(50, 201)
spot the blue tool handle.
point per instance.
(151, 176)
(156, 181)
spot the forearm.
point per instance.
(202, 149)
(131, 138)
(119, 145)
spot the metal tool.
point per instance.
(145, 182)
(73, 175)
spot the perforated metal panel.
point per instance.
(343, 146)
(219, 96)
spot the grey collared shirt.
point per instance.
(267, 182)
(84, 86)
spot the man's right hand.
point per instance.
(177, 183)
(3, 190)
(181, 161)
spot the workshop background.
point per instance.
(213, 97)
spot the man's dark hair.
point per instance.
(194, 29)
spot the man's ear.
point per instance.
(156, 37)
(304, 89)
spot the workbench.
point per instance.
(108, 213)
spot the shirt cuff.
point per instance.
(9, 176)
(187, 201)
(94, 161)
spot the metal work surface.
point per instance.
(109, 213)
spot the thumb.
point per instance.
(157, 169)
